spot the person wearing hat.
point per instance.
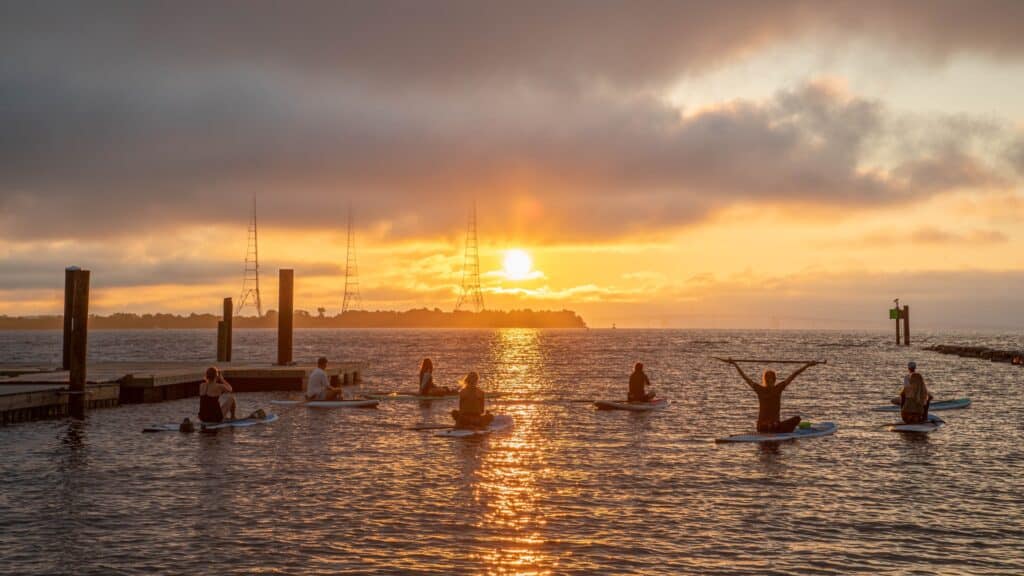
(472, 401)
(638, 383)
(914, 397)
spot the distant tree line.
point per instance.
(416, 318)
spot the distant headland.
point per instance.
(416, 318)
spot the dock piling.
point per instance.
(901, 314)
(228, 328)
(906, 325)
(224, 330)
(69, 297)
(78, 348)
(220, 341)
(285, 315)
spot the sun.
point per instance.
(517, 264)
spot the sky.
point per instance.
(785, 164)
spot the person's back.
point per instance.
(638, 382)
(317, 384)
(209, 404)
(769, 408)
(214, 397)
(471, 412)
(471, 401)
(915, 399)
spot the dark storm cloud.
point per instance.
(448, 41)
(121, 117)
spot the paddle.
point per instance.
(758, 361)
(431, 427)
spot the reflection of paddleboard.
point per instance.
(933, 424)
(328, 403)
(239, 423)
(656, 404)
(815, 431)
(500, 422)
(957, 404)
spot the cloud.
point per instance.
(440, 43)
(532, 157)
(928, 235)
(141, 117)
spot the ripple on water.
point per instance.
(568, 490)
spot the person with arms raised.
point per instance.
(769, 397)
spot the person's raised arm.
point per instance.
(753, 385)
(224, 384)
(798, 372)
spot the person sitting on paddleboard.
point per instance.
(638, 383)
(769, 396)
(427, 386)
(914, 397)
(215, 397)
(471, 413)
(318, 386)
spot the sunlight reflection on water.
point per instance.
(566, 490)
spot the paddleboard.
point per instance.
(408, 396)
(329, 403)
(240, 423)
(933, 424)
(500, 422)
(957, 404)
(656, 404)
(815, 431)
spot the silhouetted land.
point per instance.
(418, 318)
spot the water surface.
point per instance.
(568, 491)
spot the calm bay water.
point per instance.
(568, 490)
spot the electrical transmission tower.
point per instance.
(352, 299)
(251, 277)
(471, 295)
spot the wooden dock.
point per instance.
(36, 392)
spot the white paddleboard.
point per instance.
(240, 423)
(656, 404)
(411, 396)
(815, 431)
(933, 424)
(328, 403)
(500, 422)
(957, 404)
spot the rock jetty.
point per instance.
(981, 352)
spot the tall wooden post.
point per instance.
(906, 325)
(221, 341)
(228, 311)
(285, 317)
(78, 343)
(69, 297)
(894, 314)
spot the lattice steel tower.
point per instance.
(352, 300)
(471, 294)
(251, 276)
